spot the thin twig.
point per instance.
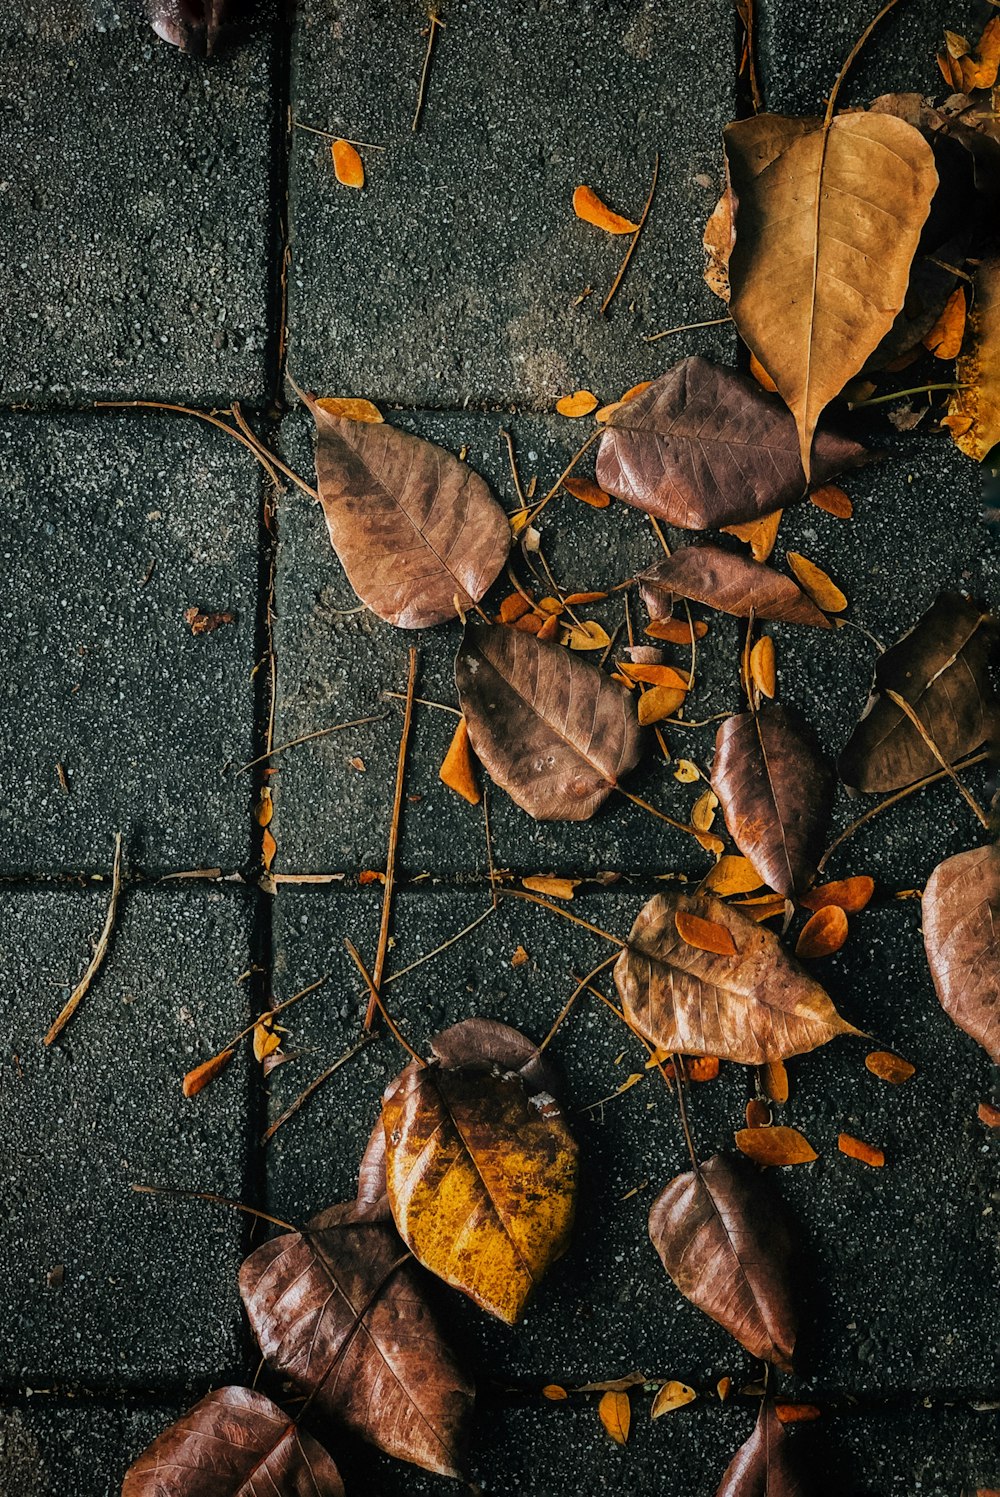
(970, 800)
(100, 951)
(581, 985)
(400, 696)
(849, 63)
(635, 237)
(314, 1086)
(685, 1125)
(207, 1195)
(563, 475)
(272, 1013)
(658, 533)
(375, 998)
(356, 722)
(566, 914)
(435, 22)
(368, 145)
(390, 862)
(519, 491)
(451, 941)
(892, 800)
(251, 435)
(685, 327)
(660, 815)
(860, 405)
(489, 846)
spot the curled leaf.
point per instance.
(726, 581)
(588, 206)
(856, 1148)
(961, 923)
(944, 340)
(672, 1395)
(457, 771)
(889, 1067)
(759, 535)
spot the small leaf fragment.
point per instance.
(823, 933)
(267, 850)
(722, 1388)
(758, 1114)
(588, 206)
(347, 164)
(457, 771)
(556, 888)
(774, 1078)
(587, 491)
(520, 957)
(796, 1413)
(656, 675)
(554, 1392)
(266, 1039)
(198, 1078)
(704, 935)
(833, 500)
(775, 1146)
(588, 636)
(851, 894)
(762, 666)
(350, 408)
(732, 875)
(579, 404)
(686, 772)
(944, 340)
(856, 1148)
(759, 535)
(672, 1395)
(615, 1413)
(889, 1067)
(988, 1114)
(821, 588)
(264, 809)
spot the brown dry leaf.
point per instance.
(671, 1396)
(974, 410)
(851, 894)
(658, 703)
(587, 491)
(555, 888)
(821, 588)
(200, 622)
(727, 581)
(797, 1413)
(761, 375)
(268, 848)
(701, 1067)
(554, 1392)
(833, 500)
(889, 1067)
(732, 875)
(829, 219)
(704, 935)
(703, 811)
(520, 957)
(347, 164)
(676, 631)
(588, 206)
(762, 666)
(572, 599)
(856, 1148)
(265, 806)
(763, 1466)
(823, 933)
(775, 1146)
(457, 770)
(774, 1079)
(988, 1114)
(579, 404)
(615, 1413)
(198, 1078)
(965, 69)
(945, 338)
(758, 1114)
(590, 635)
(722, 1388)
(350, 408)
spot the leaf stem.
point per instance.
(685, 327)
(356, 722)
(78, 994)
(851, 58)
(860, 405)
(555, 910)
(584, 982)
(207, 1195)
(435, 22)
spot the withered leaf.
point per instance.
(889, 1067)
(705, 447)
(234, 1443)
(851, 894)
(672, 1395)
(704, 935)
(725, 1240)
(828, 220)
(757, 1006)
(457, 771)
(615, 1413)
(775, 787)
(940, 669)
(775, 1146)
(763, 1466)
(857, 1148)
(347, 164)
(588, 206)
(974, 410)
(961, 923)
(415, 529)
(551, 729)
(823, 933)
(340, 1310)
(729, 582)
(480, 1167)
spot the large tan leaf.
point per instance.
(827, 224)
(974, 411)
(754, 1007)
(961, 920)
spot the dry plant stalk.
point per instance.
(100, 951)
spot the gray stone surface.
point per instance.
(112, 525)
(462, 259)
(899, 1267)
(135, 217)
(148, 1294)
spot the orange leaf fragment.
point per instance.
(988, 1114)
(822, 589)
(607, 411)
(347, 164)
(350, 408)
(587, 491)
(944, 340)
(703, 810)
(759, 535)
(588, 206)
(851, 894)
(550, 628)
(266, 1039)
(268, 849)
(634, 390)
(519, 958)
(457, 771)
(704, 935)
(265, 806)
(856, 1148)
(615, 1413)
(656, 675)
(774, 1079)
(558, 888)
(659, 702)
(196, 1080)
(762, 666)
(758, 1114)
(722, 1388)
(702, 1067)
(554, 1392)
(833, 500)
(823, 933)
(675, 631)
(761, 375)
(763, 907)
(775, 1146)
(889, 1067)
(796, 1413)
(732, 875)
(529, 624)
(581, 403)
(370, 876)
(672, 1395)
(513, 607)
(573, 598)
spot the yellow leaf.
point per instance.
(656, 675)
(265, 806)
(588, 206)
(579, 404)
(722, 1388)
(615, 1413)
(703, 811)
(733, 875)
(347, 164)
(457, 771)
(587, 636)
(822, 589)
(268, 849)
(671, 1396)
(686, 772)
(635, 390)
(350, 408)
(776, 1146)
(557, 888)
(944, 340)
(833, 500)
(762, 667)
(607, 411)
(658, 703)
(759, 535)
(265, 1039)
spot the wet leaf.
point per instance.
(889, 1067)
(757, 1006)
(725, 1240)
(944, 340)
(350, 408)
(940, 669)
(851, 894)
(775, 1146)
(457, 771)
(579, 404)
(729, 582)
(480, 1167)
(550, 728)
(763, 672)
(587, 491)
(821, 588)
(415, 529)
(615, 1413)
(775, 788)
(704, 935)
(974, 410)
(763, 1467)
(347, 164)
(671, 1396)
(823, 933)
(833, 500)
(198, 1078)
(827, 225)
(856, 1148)
(341, 1310)
(732, 875)
(234, 1443)
(703, 447)
(961, 923)
(588, 206)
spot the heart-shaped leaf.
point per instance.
(340, 1310)
(234, 1443)
(419, 534)
(729, 582)
(961, 921)
(775, 787)
(939, 668)
(724, 1239)
(754, 1007)
(551, 729)
(481, 1171)
(704, 447)
(763, 1467)
(828, 219)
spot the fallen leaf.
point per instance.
(230, 1444)
(587, 491)
(704, 935)
(701, 1068)
(776, 788)
(761, 375)
(941, 669)
(774, 1079)
(763, 672)
(822, 589)
(827, 225)
(856, 1148)
(268, 849)
(763, 1466)
(659, 703)
(960, 913)
(554, 1392)
(572, 599)
(851, 894)
(758, 1114)
(889, 1067)
(198, 1078)
(414, 528)
(686, 772)
(974, 409)
(587, 636)
(823, 933)
(988, 1114)
(340, 1309)
(704, 448)
(722, 1388)
(775, 1146)
(370, 876)
(513, 607)
(347, 164)
(550, 728)
(703, 810)
(480, 1169)
(944, 340)
(759, 535)
(725, 1240)
(764, 907)
(580, 404)
(833, 500)
(671, 1396)
(615, 1413)
(752, 1008)
(656, 675)
(732, 875)
(457, 770)
(676, 631)
(797, 1413)
(206, 623)
(726, 581)
(588, 206)
(350, 408)
(556, 888)
(966, 69)
(264, 809)
(266, 1039)
(519, 958)
(196, 27)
